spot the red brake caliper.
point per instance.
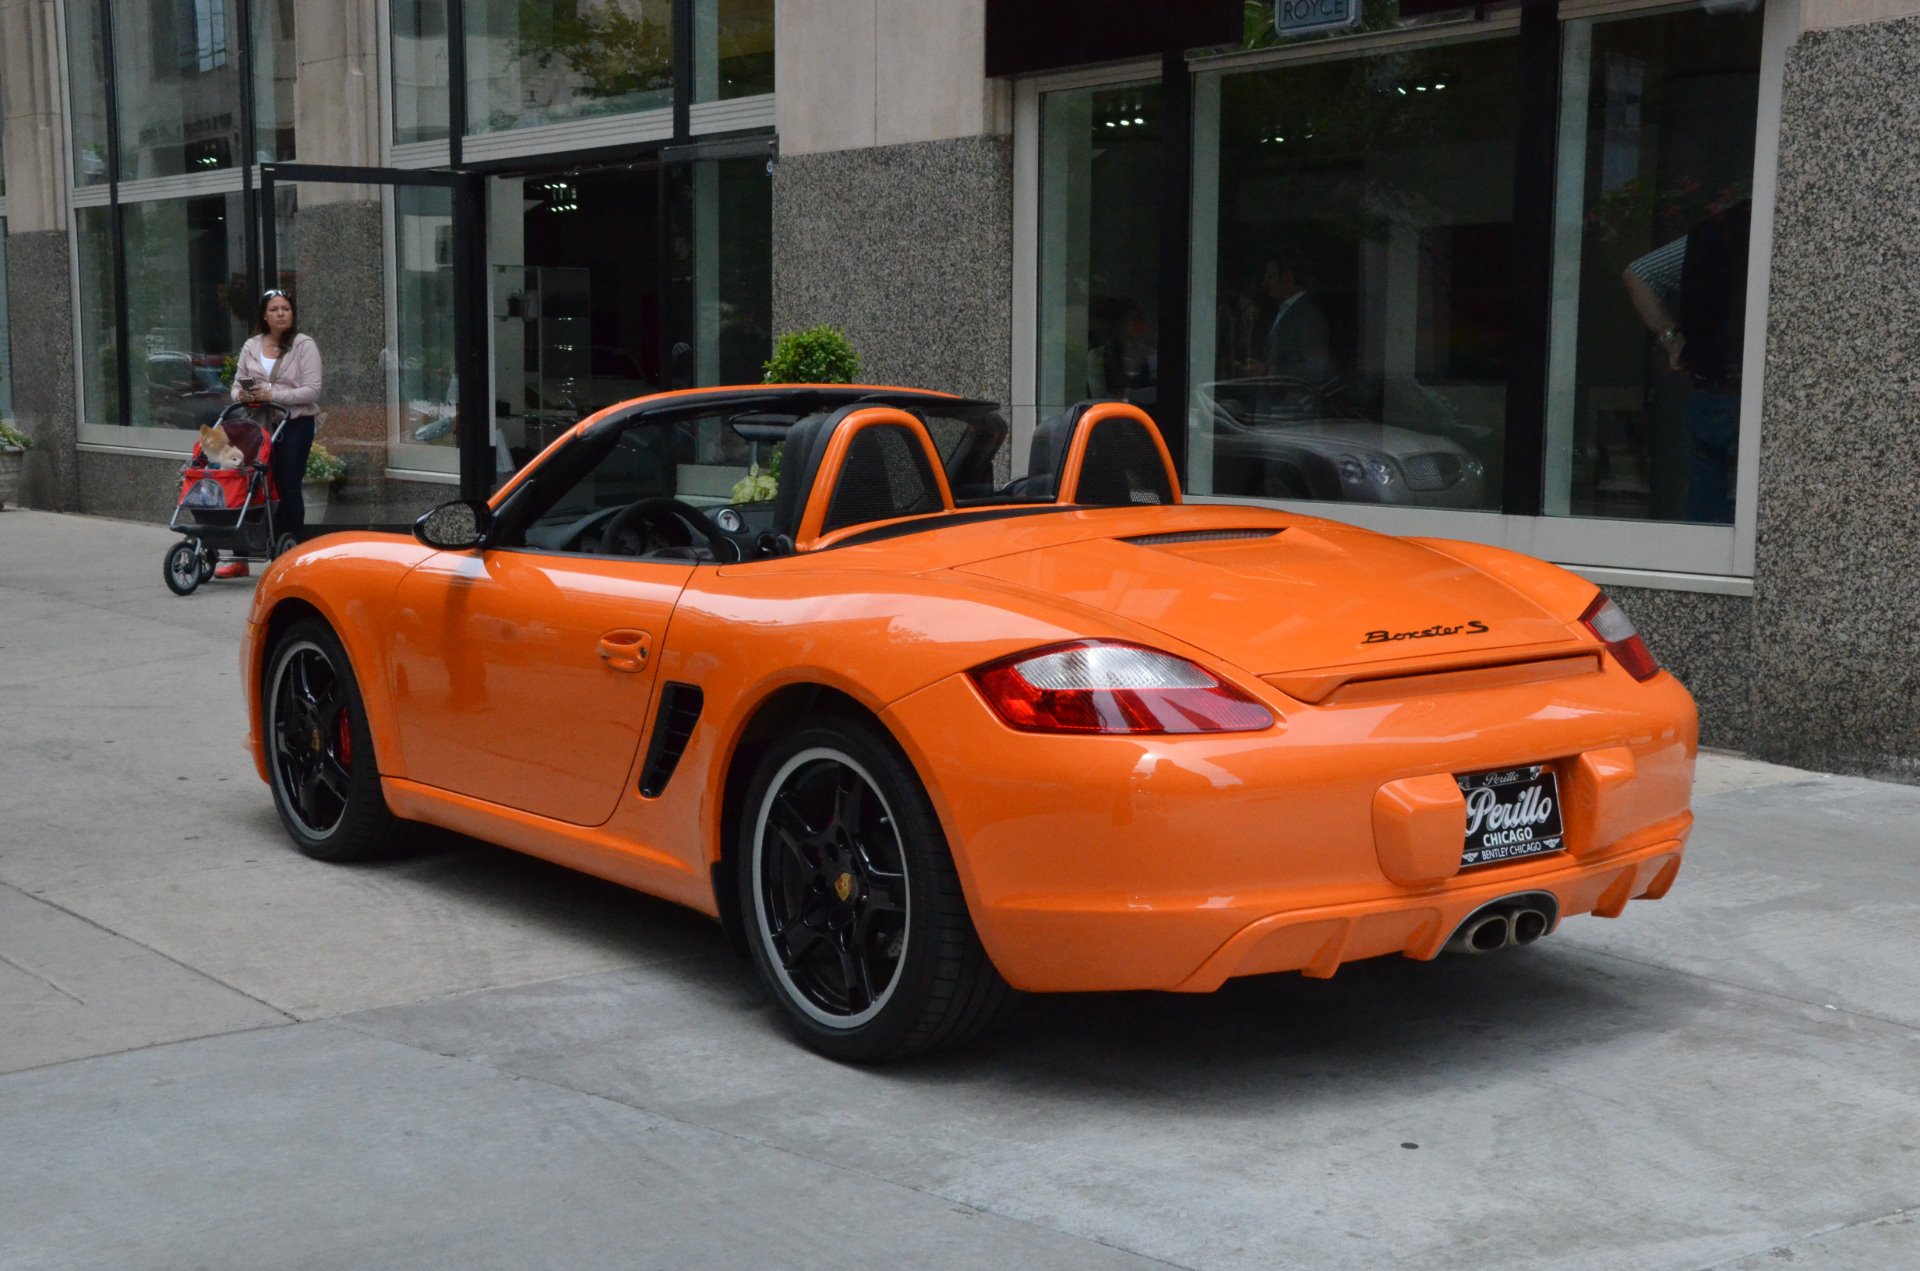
(343, 740)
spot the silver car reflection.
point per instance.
(1282, 438)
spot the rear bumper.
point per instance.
(1316, 942)
(1095, 863)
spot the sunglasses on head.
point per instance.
(268, 295)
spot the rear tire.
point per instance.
(851, 903)
(320, 755)
(183, 571)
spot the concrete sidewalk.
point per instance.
(214, 1052)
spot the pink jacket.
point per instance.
(295, 381)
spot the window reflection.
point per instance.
(1650, 276)
(188, 306)
(274, 65)
(1099, 253)
(87, 93)
(732, 49)
(178, 79)
(99, 302)
(1352, 282)
(420, 74)
(546, 63)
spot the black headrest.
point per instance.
(804, 448)
(1048, 452)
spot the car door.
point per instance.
(523, 672)
(523, 677)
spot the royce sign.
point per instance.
(1307, 17)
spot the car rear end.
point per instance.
(1476, 778)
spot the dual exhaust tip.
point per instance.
(1506, 923)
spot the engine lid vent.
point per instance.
(1202, 536)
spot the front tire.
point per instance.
(183, 568)
(320, 757)
(852, 906)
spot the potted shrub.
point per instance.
(816, 355)
(14, 445)
(324, 471)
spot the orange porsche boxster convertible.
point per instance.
(920, 732)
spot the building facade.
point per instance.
(1619, 283)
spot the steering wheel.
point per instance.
(725, 549)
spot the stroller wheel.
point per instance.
(284, 544)
(209, 557)
(183, 568)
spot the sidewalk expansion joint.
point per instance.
(288, 1016)
(1786, 1246)
(751, 1141)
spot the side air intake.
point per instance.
(672, 728)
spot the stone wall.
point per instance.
(1837, 605)
(40, 316)
(907, 248)
(1708, 642)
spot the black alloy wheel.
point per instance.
(183, 569)
(326, 784)
(855, 914)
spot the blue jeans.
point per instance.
(1713, 426)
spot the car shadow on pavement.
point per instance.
(478, 877)
(1385, 1020)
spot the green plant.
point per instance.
(12, 438)
(817, 355)
(759, 485)
(324, 466)
(228, 365)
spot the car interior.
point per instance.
(633, 484)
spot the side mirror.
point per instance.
(455, 527)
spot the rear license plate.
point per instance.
(1511, 814)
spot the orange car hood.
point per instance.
(1316, 595)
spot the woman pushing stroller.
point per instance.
(278, 364)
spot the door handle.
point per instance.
(625, 650)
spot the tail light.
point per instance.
(1608, 621)
(1108, 686)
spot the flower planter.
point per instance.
(314, 495)
(11, 460)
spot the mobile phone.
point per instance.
(246, 381)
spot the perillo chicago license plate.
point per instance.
(1511, 813)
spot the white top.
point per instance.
(268, 362)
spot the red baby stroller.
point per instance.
(227, 509)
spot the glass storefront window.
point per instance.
(1100, 174)
(177, 71)
(6, 337)
(428, 387)
(87, 93)
(1650, 271)
(99, 302)
(274, 68)
(188, 306)
(722, 260)
(420, 74)
(1353, 240)
(732, 49)
(533, 64)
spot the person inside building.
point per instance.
(1707, 271)
(281, 365)
(1295, 346)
